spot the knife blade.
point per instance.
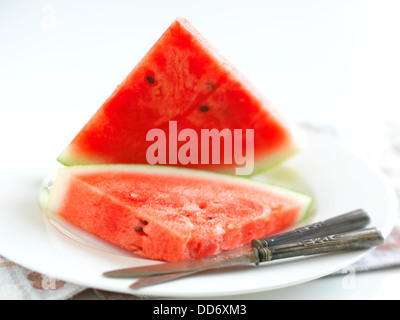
(159, 278)
(248, 253)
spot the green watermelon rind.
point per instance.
(69, 158)
(298, 142)
(306, 200)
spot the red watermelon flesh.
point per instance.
(172, 214)
(182, 78)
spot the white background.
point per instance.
(334, 61)
(313, 59)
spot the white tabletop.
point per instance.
(315, 60)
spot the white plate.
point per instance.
(339, 180)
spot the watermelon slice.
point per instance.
(172, 214)
(183, 80)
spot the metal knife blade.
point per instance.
(160, 278)
(241, 255)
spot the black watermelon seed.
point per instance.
(210, 86)
(204, 108)
(139, 229)
(150, 79)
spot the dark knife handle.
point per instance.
(352, 220)
(353, 240)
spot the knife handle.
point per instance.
(352, 220)
(353, 240)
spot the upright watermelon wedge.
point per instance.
(170, 213)
(182, 80)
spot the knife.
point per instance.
(361, 239)
(346, 222)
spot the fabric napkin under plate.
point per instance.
(379, 143)
(18, 283)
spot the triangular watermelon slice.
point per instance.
(182, 81)
(170, 213)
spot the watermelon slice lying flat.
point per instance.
(182, 79)
(170, 213)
